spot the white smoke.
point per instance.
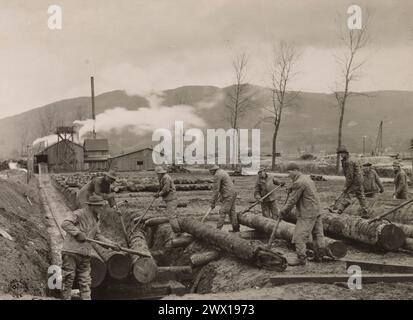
(142, 120)
(15, 166)
(46, 141)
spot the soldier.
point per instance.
(400, 181)
(354, 183)
(371, 181)
(76, 251)
(224, 188)
(99, 186)
(265, 183)
(303, 195)
(168, 193)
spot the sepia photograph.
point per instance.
(229, 151)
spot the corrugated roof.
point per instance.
(96, 145)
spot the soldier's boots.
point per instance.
(298, 260)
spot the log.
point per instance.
(407, 229)
(118, 263)
(380, 234)
(156, 221)
(181, 241)
(200, 259)
(98, 269)
(285, 230)
(143, 268)
(250, 251)
(174, 273)
(408, 245)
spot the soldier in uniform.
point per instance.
(224, 188)
(265, 183)
(76, 251)
(400, 181)
(371, 181)
(167, 192)
(354, 183)
(99, 186)
(304, 196)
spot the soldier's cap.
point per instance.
(367, 164)
(111, 174)
(292, 166)
(160, 170)
(95, 200)
(342, 149)
(396, 164)
(214, 167)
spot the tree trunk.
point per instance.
(118, 263)
(144, 268)
(247, 250)
(379, 234)
(200, 259)
(340, 134)
(274, 150)
(337, 249)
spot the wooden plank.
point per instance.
(376, 266)
(333, 278)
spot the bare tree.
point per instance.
(352, 40)
(284, 60)
(238, 97)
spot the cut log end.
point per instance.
(119, 266)
(144, 270)
(391, 237)
(337, 249)
(98, 271)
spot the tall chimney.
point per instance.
(92, 85)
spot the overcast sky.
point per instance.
(143, 45)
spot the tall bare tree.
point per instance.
(352, 42)
(285, 57)
(238, 99)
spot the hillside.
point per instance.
(310, 125)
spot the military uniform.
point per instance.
(76, 254)
(262, 187)
(98, 186)
(224, 187)
(353, 186)
(371, 183)
(309, 225)
(400, 185)
(167, 191)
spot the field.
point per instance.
(230, 278)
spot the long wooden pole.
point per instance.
(92, 86)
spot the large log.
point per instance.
(118, 263)
(200, 259)
(144, 268)
(407, 229)
(408, 245)
(98, 269)
(247, 250)
(285, 230)
(380, 234)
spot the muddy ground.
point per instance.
(230, 278)
(24, 258)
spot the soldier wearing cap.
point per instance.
(167, 191)
(371, 181)
(304, 197)
(224, 188)
(99, 186)
(354, 183)
(400, 181)
(76, 251)
(264, 184)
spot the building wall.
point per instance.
(140, 160)
(59, 154)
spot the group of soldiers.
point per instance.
(95, 197)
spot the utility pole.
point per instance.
(92, 85)
(364, 145)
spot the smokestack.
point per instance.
(92, 85)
